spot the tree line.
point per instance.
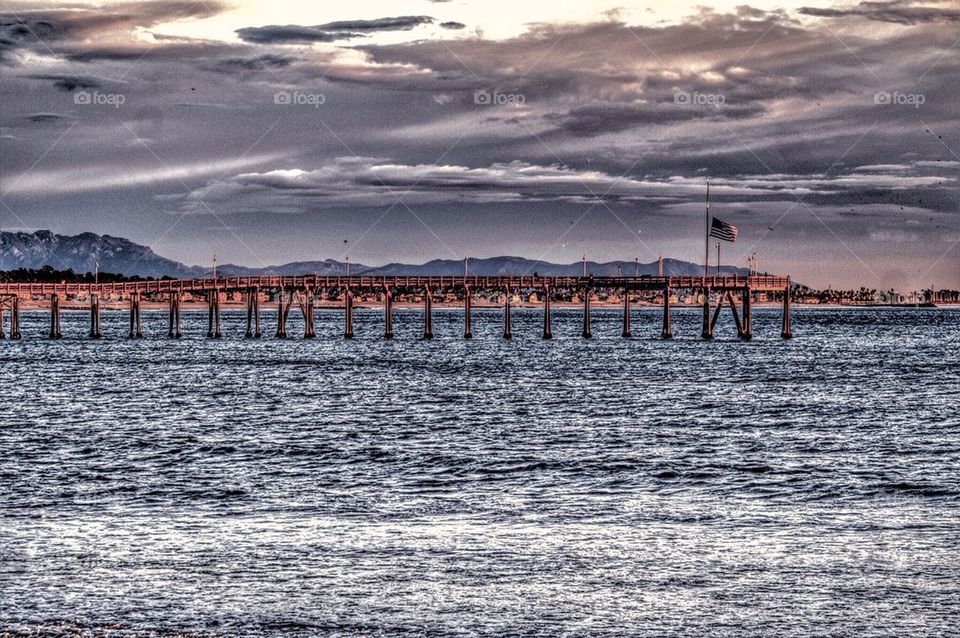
(49, 275)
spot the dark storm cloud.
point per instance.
(44, 29)
(290, 34)
(329, 32)
(69, 83)
(400, 23)
(454, 26)
(42, 118)
(896, 12)
(255, 63)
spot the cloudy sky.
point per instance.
(268, 132)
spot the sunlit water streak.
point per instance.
(484, 487)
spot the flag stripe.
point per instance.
(722, 230)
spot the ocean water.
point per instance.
(570, 487)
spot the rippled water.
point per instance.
(484, 487)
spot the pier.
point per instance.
(303, 291)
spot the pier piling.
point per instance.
(55, 317)
(626, 314)
(786, 332)
(587, 334)
(256, 313)
(747, 333)
(387, 313)
(467, 333)
(307, 309)
(213, 315)
(281, 315)
(251, 309)
(547, 333)
(707, 332)
(507, 334)
(95, 316)
(347, 314)
(173, 328)
(136, 331)
(667, 332)
(427, 314)
(15, 318)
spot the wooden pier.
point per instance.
(303, 292)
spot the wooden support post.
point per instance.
(15, 318)
(547, 333)
(176, 316)
(171, 315)
(507, 334)
(787, 331)
(707, 332)
(747, 333)
(281, 315)
(55, 317)
(2, 322)
(667, 332)
(209, 315)
(94, 316)
(307, 309)
(716, 313)
(467, 333)
(136, 331)
(736, 313)
(587, 334)
(387, 313)
(256, 313)
(348, 314)
(213, 315)
(427, 314)
(626, 314)
(249, 332)
(216, 314)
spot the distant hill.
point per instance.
(80, 252)
(117, 255)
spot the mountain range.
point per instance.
(118, 255)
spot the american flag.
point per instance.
(723, 230)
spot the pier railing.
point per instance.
(759, 283)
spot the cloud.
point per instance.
(373, 182)
(905, 13)
(329, 32)
(452, 25)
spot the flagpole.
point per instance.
(706, 237)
